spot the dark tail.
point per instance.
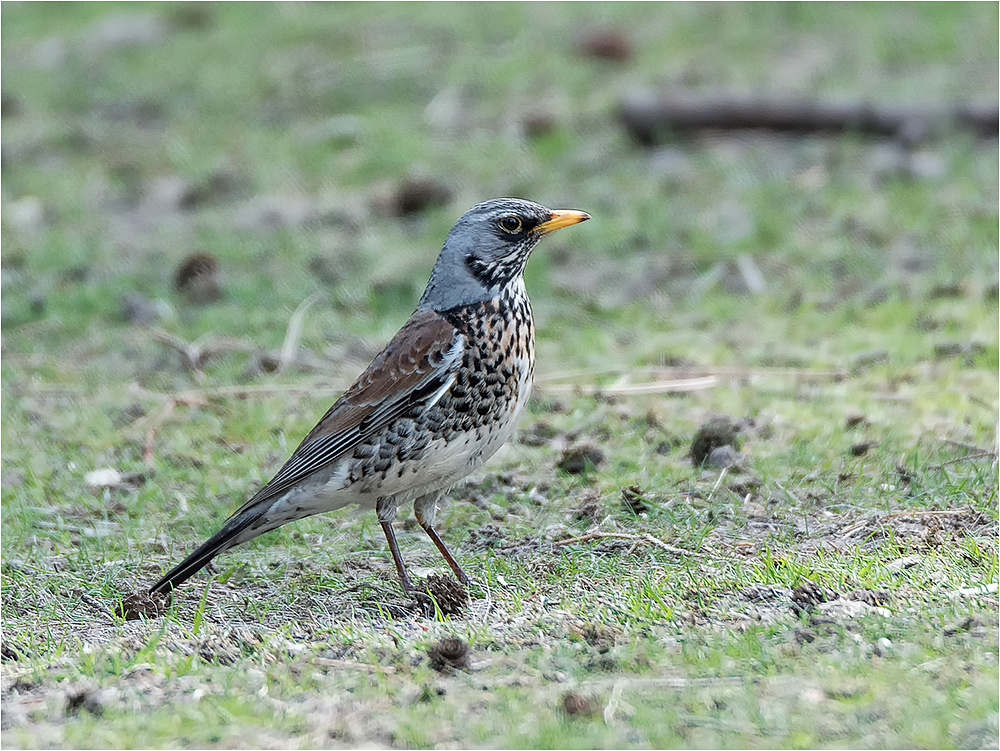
(222, 540)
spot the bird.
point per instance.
(445, 393)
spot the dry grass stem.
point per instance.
(645, 537)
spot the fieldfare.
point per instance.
(438, 401)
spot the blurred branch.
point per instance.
(651, 118)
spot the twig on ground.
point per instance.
(690, 371)
(677, 682)
(615, 702)
(645, 537)
(788, 492)
(294, 331)
(195, 354)
(903, 514)
(949, 512)
(328, 662)
(718, 482)
(960, 444)
(980, 454)
(659, 387)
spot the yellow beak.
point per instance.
(561, 218)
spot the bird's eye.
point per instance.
(510, 223)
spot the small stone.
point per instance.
(107, 477)
(813, 695)
(138, 309)
(882, 647)
(723, 457)
(26, 214)
(901, 564)
(121, 30)
(850, 609)
(927, 165)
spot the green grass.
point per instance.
(289, 127)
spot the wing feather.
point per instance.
(413, 372)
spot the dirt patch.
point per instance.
(917, 529)
(142, 604)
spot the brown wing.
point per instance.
(413, 370)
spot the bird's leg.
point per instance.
(386, 507)
(425, 508)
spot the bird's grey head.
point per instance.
(488, 248)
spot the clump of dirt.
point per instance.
(143, 604)
(634, 500)
(486, 537)
(84, 699)
(963, 624)
(540, 433)
(576, 459)
(862, 448)
(578, 705)
(417, 194)
(539, 122)
(449, 654)
(10, 652)
(451, 596)
(717, 433)
(855, 419)
(589, 509)
(806, 596)
(597, 635)
(197, 279)
(605, 44)
(877, 598)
